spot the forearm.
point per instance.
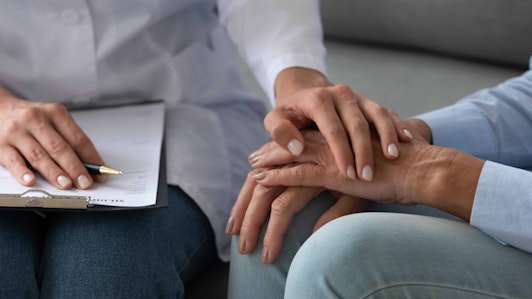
(445, 179)
(296, 78)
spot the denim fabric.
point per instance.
(383, 255)
(147, 253)
(390, 255)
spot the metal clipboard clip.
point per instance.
(35, 198)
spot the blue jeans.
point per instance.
(384, 255)
(147, 253)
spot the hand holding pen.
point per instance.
(44, 137)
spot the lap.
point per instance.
(134, 254)
(384, 255)
(269, 280)
(21, 234)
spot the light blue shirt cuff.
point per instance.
(503, 204)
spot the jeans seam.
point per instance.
(391, 286)
(185, 265)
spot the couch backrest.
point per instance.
(494, 30)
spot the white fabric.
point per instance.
(177, 50)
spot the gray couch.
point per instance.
(414, 56)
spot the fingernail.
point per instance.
(392, 150)
(408, 134)
(27, 178)
(255, 159)
(229, 225)
(253, 155)
(83, 182)
(242, 245)
(259, 176)
(63, 181)
(265, 255)
(351, 172)
(295, 147)
(367, 173)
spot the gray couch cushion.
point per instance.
(494, 30)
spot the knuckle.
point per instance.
(56, 108)
(380, 111)
(280, 206)
(80, 140)
(35, 155)
(344, 90)
(319, 94)
(262, 191)
(359, 125)
(10, 127)
(271, 236)
(14, 161)
(58, 147)
(31, 114)
(334, 129)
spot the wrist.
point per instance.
(296, 78)
(422, 128)
(446, 179)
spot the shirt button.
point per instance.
(70, 16)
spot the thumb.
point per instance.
(283, 128)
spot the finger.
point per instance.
(325, 115)
(80, 144)
(359, 133)
(270, 154)
(274, 155)
(39, 160)
(280, 124)
(283, 209)
(16, 165)
(310, 175)
(382, 120)
(345, 205)
(70, 131)
(403, 128)
(64, 156)
(241, 204)
(256, 215)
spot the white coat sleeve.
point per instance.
(273, 35)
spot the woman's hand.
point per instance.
(45, 138)
(256, 202)
(424, 174)
(305, 98)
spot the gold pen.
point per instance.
(101, 169)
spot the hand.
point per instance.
(255, 202)
(306, 98)
(424, 174)
(47, 138)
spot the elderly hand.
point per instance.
(47, 138)
(256, 202)
(443, 178)
(305, 98)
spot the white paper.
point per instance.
(128, 139)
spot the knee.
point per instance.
(324, 265)
(357, 254)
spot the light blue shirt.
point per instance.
(495, 124)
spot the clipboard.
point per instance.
(38, 200)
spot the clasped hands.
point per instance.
(348, 136)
